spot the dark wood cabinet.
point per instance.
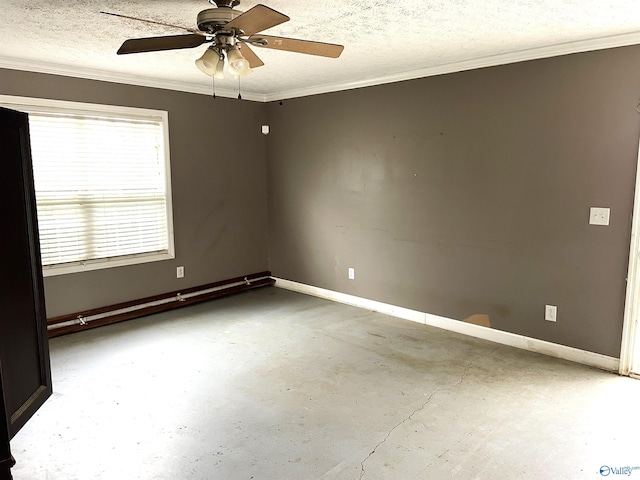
(25, 375)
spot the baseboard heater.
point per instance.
(98, 317)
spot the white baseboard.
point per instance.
(498, 336)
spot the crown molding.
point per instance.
(600, 43)
(103, 76)
(568, 48)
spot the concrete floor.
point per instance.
(272, 384)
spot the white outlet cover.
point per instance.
(599, 216)
(550, 312)
(352, 274)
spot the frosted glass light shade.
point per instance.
(238, 65)
(208, 62)
(220, 69)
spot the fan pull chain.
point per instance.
(239, 94)
(214, 87)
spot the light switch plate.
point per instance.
(599, 216)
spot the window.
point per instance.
(102, 184)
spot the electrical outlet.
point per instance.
(550, 312)
(352, 273)
(180, 272)
(599, 216)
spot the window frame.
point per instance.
(44, 105)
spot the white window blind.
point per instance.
(102, 189)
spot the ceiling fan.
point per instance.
(231, 34)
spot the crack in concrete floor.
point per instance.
(436, 391)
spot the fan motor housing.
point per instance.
(213, 19)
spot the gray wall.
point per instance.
(218, 171)
(467, 193)
(457, 195)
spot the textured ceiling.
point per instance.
(383, 40)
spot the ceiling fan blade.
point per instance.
(301, 46)
(154, 44)
(191, 30)
(257, 19)
(250, 55)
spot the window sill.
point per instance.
(78, 267)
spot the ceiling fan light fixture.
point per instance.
(230, 31)
(238, 65)
(209, 61)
